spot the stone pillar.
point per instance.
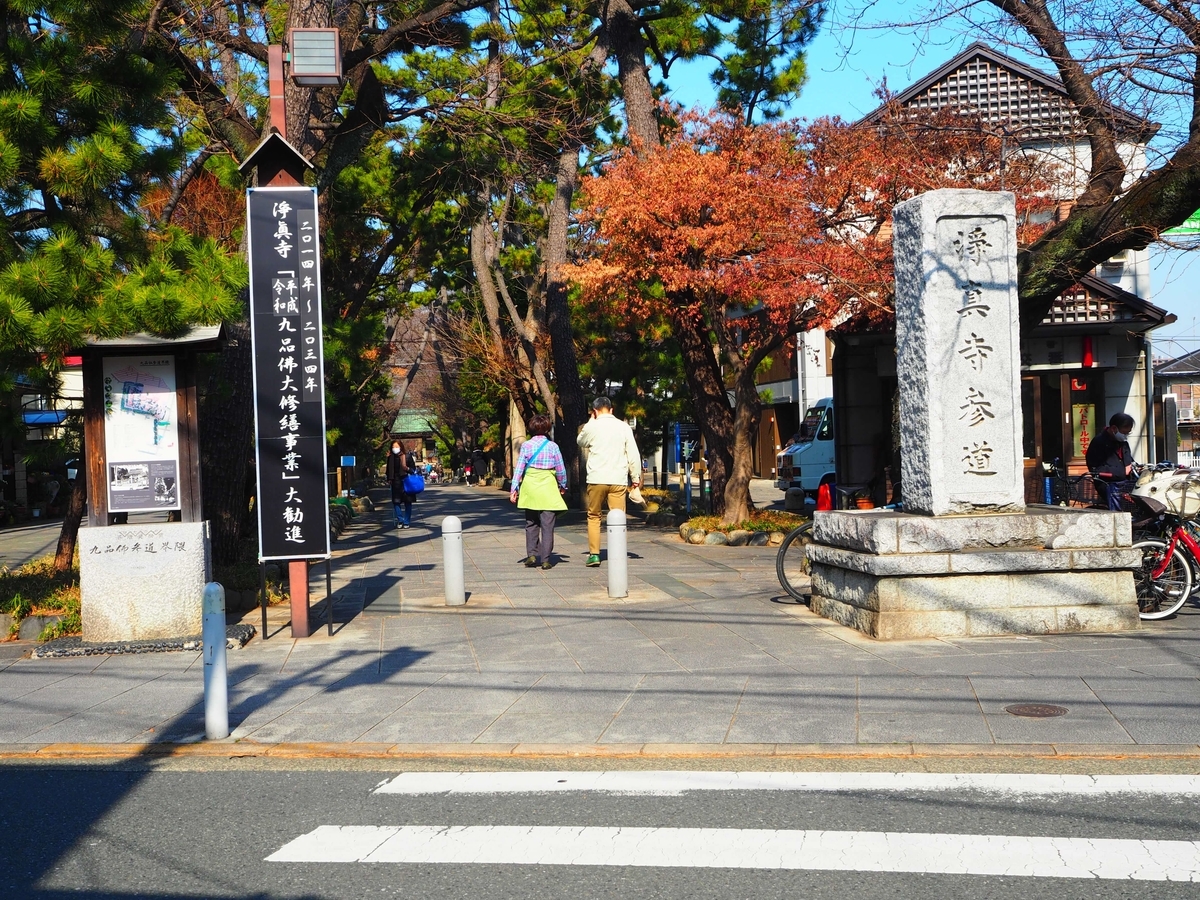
(961, 559)
(958, 353)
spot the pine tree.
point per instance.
(85, 131)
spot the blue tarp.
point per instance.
(44, 417)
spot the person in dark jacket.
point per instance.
(479, 465)
(402, 501)
(1110, 459)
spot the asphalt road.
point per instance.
(121, 831)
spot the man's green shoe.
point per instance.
(593, 560)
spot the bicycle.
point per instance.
(1169, 537)
(1164, 581)
(1074, 490)
(791, 562)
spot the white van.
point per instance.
(808, 461)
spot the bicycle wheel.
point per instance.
(1162, 596)
(791, 563)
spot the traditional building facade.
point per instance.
(1087, 359)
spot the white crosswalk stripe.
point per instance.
(858, 851)
(674, 783)
(758, 848)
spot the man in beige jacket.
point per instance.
(613, 463)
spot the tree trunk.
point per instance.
(628, 46)
(710, 404)
(747, 410)
(571, 402)
(226, 442)
(70, 526)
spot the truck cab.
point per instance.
(807, 461)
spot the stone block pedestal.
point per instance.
(143, 582)
(1050, 570)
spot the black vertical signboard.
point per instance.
(289, 394)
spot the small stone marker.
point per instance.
(958, 353)
(144, 581)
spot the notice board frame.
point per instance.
(283, 238)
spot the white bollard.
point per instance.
(618, 555)
(216, 678)
(452, 561)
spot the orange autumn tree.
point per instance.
(740, 236)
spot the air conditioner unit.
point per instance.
(1117, 260)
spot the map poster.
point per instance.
(141, 433)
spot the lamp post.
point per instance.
(285, 300)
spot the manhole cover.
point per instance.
(1036, 710)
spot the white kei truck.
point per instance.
(807, 461)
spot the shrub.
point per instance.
(35, 589)
(760, 520)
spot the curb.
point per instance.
(249, 749)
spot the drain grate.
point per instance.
(1036, 710)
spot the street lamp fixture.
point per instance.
(316, 56)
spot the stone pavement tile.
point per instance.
(344, 711)
(544, 597)
(901, 651)
(542, 728)
(817, 727)
(264, 698)
(723, 652)
(1185, 648)
(329, 667)
(1152, 710)
(934, 709)
(30, 675)
(325, 725)
(521, 662)
(81, 690)
(824, 661)
(1059, 663)
(960, 664)
(565, 694)
(137, 715)
(19, 720)
(595, 622)
(488, 694)
(678, 708)
(424, 657)
(635, 656)
(794, 695)
(1015, 643)
(425, 728)
(1146, 660)
(1088, 720)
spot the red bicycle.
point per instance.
(1164, 582)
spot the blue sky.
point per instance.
(844, 70)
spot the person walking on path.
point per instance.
(479, 466)
(538, 483)
(613, 465)
(398, 466)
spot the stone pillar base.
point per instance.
(143, 582)
(897, 576)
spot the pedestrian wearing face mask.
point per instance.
(397, 468)
(1110, 459)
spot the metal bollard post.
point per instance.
(452, 561)
(618, 555)
(216, 680)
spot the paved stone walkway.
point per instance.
(706, 650)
